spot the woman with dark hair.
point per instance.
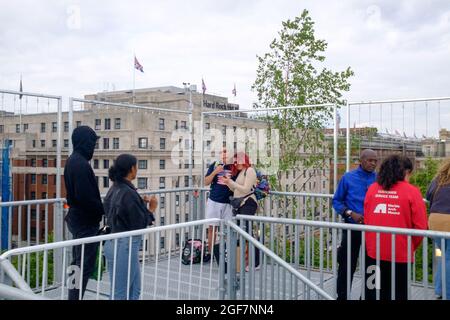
(438, 195)
(125, 210)
(392, 202)
(243, 189)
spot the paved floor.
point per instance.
(170, 279)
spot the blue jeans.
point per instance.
(121, 275)
(438, 275)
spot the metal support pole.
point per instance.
(70, 125)
(335, 145)
(348, 138)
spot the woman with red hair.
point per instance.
(243, 188)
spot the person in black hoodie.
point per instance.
(85, 205)
(125, 211)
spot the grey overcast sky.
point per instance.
(397, 48)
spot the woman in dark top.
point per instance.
(438, 195)
(125, 211)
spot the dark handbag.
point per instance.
(236, 203)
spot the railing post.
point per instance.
(231, 263)
(58, 235)
(222, 262)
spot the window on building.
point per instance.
(161, 221)
(323, 184)
(78, 124)
(234, 129)
(177, 182)
(186, 181)
(33, 162)
(105, 143)
(207, 125)
(54, 144)
(42, 143)
(177, 237)
(2, 128)
(186, 219)
(177, 218)
(161, 124)
(162, 164)
(162, 243)
(183, 124)
(176, 124)
(54, 126)
(105, 182)
(45, 163)
(17, 128)
(162, 143)
(33, 178)
(44, 179)
(142, 164)
(66, 143)
(117, 123)
(162, 202)
(44, 195)
(95, 163)
(142, 183)
(66, 126)
(96, 145)
(33, 143)
(116, 143)
(105, 164)
(108, 124)
(42, 127)
(98, 124)
(143, 143)
(33, 195)
(177, 200)
(162, 182)
(224, 131)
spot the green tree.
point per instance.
(291, 74)
(422, 177)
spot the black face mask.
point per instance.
(84, 140)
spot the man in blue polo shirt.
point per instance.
(218, 204)
(348, 201)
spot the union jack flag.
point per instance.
(234, 90)
(138, 66)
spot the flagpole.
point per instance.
(20, 105)
(134, 75)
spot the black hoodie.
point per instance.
(83, 196)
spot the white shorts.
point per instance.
(218, 210)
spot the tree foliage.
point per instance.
(292, 74)
(422, 177)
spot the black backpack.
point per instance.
(188, 257)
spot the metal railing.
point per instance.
(169, 277)
(310, 250)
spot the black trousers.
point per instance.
(401, 280)
(249, 208)
(355, 242)
(90, 255)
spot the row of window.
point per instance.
(142, 183)
(142, 164)
(107, 124)
(25, 127)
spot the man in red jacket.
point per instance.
(392, 202)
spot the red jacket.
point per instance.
(400, 207)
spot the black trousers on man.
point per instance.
(90, 255)
(355, 242)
